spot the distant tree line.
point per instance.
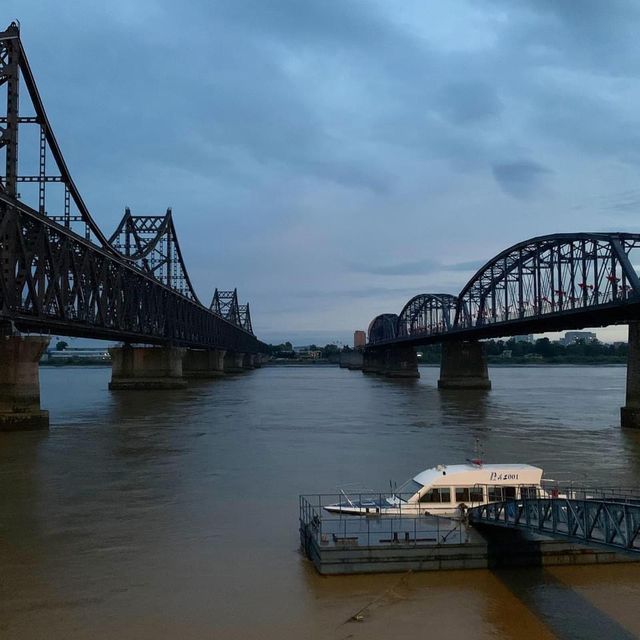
(579, 352)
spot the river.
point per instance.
(148, 515)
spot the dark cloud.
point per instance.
(521, 178)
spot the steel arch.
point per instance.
(549, 275)
(383, 327)
(427, 314)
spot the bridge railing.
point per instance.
(602, 521)
(405, 527)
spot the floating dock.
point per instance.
(347, 544)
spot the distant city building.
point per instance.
(359, 339)
(571, 337)
(526, 338)
(506, 353)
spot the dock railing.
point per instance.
(373, 528)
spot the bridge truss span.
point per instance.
(427, 314)
(603, 522)
(556, 274)
(383, 328)
(549, 283)
(59, 274)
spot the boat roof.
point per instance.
(429, 476)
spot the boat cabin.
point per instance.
(444, 488)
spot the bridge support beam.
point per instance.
(233, 362)
(20, 383)
(464, 366)
(401, 362)
(203, 363)
(146, 368)
(630, 413)
(373, 361)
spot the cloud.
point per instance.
(521, 178)
(418, 267)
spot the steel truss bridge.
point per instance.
(60, 274)
(604, 521)
(550, 283)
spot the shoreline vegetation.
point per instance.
(499, 353)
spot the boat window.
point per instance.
(495, 494)
(437, 494)
(409, 488)
(469, 494)
(509, 492)
(528, 492)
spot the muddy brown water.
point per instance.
(174, 514)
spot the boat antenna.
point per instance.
(478, 453)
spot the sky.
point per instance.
(333, 158)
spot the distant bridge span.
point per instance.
(549, 283)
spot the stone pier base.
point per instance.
(248, 361)
(373, 362)
(351, 360)
(203, 363)
(464, 366)
(401, 362)
(233, 362)
(146, 368)
(630, 413)
(20, 383)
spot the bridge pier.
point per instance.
(401, 362)
(630, 413)
(351, 360)
(146, 368)
(464, 366)
(233, 362)
(248, 361)
(373, 361)
(20, 383)
(203, 363)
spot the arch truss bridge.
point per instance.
(550, 283)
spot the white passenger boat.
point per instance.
(448, 490)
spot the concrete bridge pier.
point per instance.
(351, 360)
(20, 383)
(203, 363)
(373, 361)
(257, 360)
(233, 362)
(146, 368)
(248, 361)
(630, 413)
(464, 366)
(401, 362)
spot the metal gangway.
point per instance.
(601, 517)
